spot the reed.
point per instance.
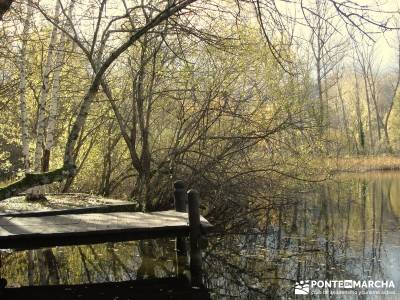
(363, 163)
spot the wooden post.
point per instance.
(3, 283)
(180, 196)
(195, 233)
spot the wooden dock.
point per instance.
(163, 289)
(32, 230)
(46, 229)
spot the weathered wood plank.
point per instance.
(164, 288)
(72, 229)
(68, 211)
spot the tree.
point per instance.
(36, 193)
(22, 89)
(68, 169)
(113, 36)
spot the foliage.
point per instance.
(143, 102)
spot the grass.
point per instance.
(369, 163)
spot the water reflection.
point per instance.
(89, 263)
(345, 229)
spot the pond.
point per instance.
(346, 229)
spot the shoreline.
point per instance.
(362, 164)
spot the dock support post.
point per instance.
(195, 233)
(180, 197)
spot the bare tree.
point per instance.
(395, 88)
(112, 37)
(362, 61)
(68, 169)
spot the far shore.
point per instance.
(360, 164)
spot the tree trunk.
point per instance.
(395, 89)
(35, 179)
(372, 87)
(360, 129)
(36, 193)
(345, 123)
(22, 89)
(54, 101)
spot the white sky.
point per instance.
(385, 47)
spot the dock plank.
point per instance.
(80, 210)
(50, 230)
(161, 288)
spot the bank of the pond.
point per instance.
(57, 201)
(357, 164)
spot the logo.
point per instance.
(348, 284)
(302, 287)
(344, 287)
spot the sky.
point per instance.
(386, 43)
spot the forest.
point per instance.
(283, 114)
(120, 99)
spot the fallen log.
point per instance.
(31, 180)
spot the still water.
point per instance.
(344, 229)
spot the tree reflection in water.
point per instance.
(347, 229)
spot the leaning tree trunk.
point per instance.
(36, 193)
